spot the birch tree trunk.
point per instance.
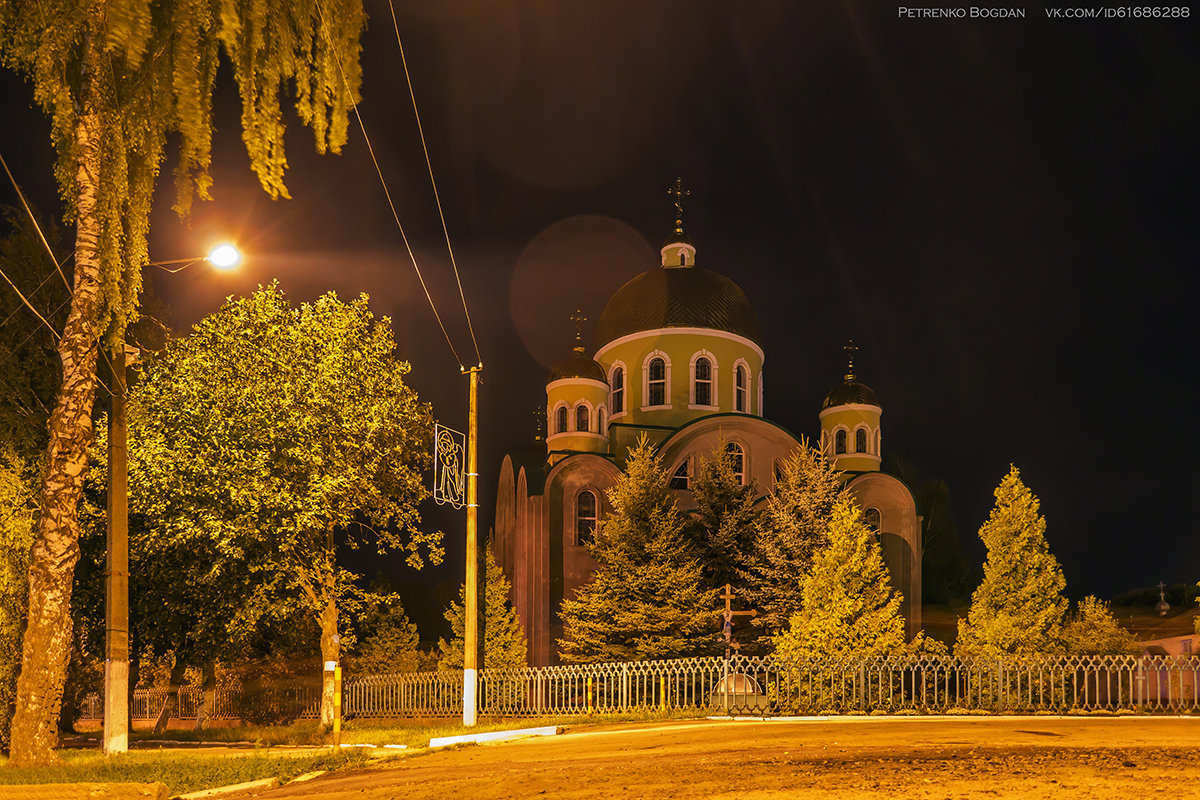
(47, 641)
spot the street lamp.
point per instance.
(116, 573)
(222, 257)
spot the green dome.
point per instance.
(851, 393)
(680, 297)
(578, 365)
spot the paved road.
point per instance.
(1027, 757)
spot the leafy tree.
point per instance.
(500, 629)
(943, 567)
(264, 435)
(646, 599)
(1092, 629)
(16, 537)
(117, 79)
(724, 521)
(1019, 606)
(794, 525)
(850, 608)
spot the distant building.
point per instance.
(680, 359)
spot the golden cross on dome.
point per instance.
(851, 348)
(578, 318)
(678, 192)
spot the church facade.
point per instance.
(680, 360)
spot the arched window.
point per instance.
(657, 394)
(560, 422)
(585, 517)
(738, 457)
(703, 382)
(860, 440)
(778, 472)
(839, 442)
(679, 480)
(872, 518)
(618, 390)
(600, 421)
(740, 390)
(581, 418)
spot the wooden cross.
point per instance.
(729, 614)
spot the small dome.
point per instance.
(851, 393)
(678, 298)
(578, 365)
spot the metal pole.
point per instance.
(116, 573)
(471, 632)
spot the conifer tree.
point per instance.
(387, 642)
(1019, 606)
(645, 600)
(1092, 629)
(501, 632)
(850, 608)
(793, 526)
(725, 520)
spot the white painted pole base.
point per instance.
(116, 707)
(470, 701)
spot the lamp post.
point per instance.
(116, 572)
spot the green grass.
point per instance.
(180, 771)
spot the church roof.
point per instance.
(578, 365)
(851, 393)
(679, 297)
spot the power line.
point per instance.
(33, 219)
(395, 214)
(432, 182)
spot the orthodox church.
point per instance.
(680, 360)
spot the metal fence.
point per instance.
(740, 685)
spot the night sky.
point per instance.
(1002, 213)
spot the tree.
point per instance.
(645, 600)
(794, 525)
(387, 642)
(1018, 608)
(117, 78)
(501, 632)
(850, 608)
(723, 524)
(16, 537)
(267, 433)
(1092, 629)
(943, 568)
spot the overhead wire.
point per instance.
(433, 183)
(57, 265)
(387, 193)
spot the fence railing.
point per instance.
(739, 685)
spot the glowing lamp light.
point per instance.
(224, 256)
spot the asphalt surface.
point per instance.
(944, 757)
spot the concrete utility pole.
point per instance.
(116, 573)
(471, 589)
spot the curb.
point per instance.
(494, 736)
(265, 783)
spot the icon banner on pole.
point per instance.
(449, 466)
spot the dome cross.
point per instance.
(678, 192)
(578, 318)
(851, 348)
